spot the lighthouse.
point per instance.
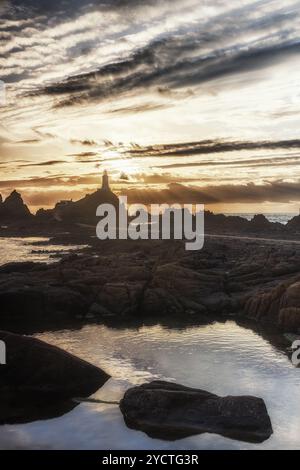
(105, 183)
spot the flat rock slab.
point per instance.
(170, 411)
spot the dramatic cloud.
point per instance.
(197, 53)
(276, 191)
(207, 90)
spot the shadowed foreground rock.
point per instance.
(169, 411)
(40, 380)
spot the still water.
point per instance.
(223, 358)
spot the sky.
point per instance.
(180, 100)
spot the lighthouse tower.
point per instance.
(105, 183)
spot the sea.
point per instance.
(282, 218)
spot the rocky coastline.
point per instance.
(247, 271)
(153, 279)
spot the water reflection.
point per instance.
(223, 358)
(32, 249)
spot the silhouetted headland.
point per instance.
(67, 215)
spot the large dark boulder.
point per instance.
(169, 411)
(40, 380)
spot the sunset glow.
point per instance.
(140, 89)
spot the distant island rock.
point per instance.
(13, 208)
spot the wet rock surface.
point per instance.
(170, 411)
(39, 380)
(143, 279)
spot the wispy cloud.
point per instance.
(205, 147)
(84, 142)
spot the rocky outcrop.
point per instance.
(293, 225)
(39, 380)
(220, 222)
(13, 208)
(156, 279)
(83, 210)
(260, 223)
(169, 411)
(68, 213)
(279, 306)
(289, 311)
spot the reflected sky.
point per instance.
(221, 358)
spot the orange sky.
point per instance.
(195, 101)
